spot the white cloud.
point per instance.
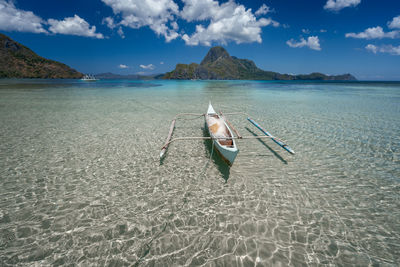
(162, 63)
(323, 30)
(336, 5)
(74, 26)
(395, 23)
(312, 42)
(394, 50)
(153, 13)
(263, 10)
(306, 31)
(228, 22)
(121, 32)
(109, 21)
(13, 19)
(390, 49)
(148, 67)
(372, 48)
(123, 66)
(197, 10)
(374, 33)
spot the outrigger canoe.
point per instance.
(221, 135)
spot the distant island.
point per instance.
(219, 65)
(18, 61)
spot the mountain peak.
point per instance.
(218, 64)
(214, 54)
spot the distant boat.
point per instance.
(89, 78)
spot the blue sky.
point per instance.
(151, 36)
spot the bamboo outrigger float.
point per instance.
(220, 130)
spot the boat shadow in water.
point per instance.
(222, 166)
(267, 146)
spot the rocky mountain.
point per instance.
(18, 61)
(218, 64)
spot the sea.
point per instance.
(82, 184)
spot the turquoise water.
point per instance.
(81, 182)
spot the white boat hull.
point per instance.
(226, 147)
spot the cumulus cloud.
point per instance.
(312, 42)
(306, 31)
(263, 10)
(372, 48)
(121, 32)
(224, 22)
(148, 67)
(336, 5)
(228, 22)
(123, 66)
(390, 49)
(374, 33)
(13, 19)
(197, 10)
(155, 14)
(162, 63)
(109, 21)
(74, 26)
(395, 23)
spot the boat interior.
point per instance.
(219, 129)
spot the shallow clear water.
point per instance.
(81, 181)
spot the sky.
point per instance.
(361, 37)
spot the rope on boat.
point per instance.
(195, 118)
(237, 113)
(171, 130)
(188, 114)
(208, 138)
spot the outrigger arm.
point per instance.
(276, 140)
(171, 130)
(169, 139)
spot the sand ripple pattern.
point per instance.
(81, 182)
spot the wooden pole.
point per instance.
(209, 138)
(171, 130)
(276, 140)
(167, 142)
(230, 125)
(188, 114)
(237, 113)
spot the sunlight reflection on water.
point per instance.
(81, 181)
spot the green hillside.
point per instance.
(18, 61)
(218, 64)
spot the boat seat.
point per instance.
(226, 142)
(218, 128)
